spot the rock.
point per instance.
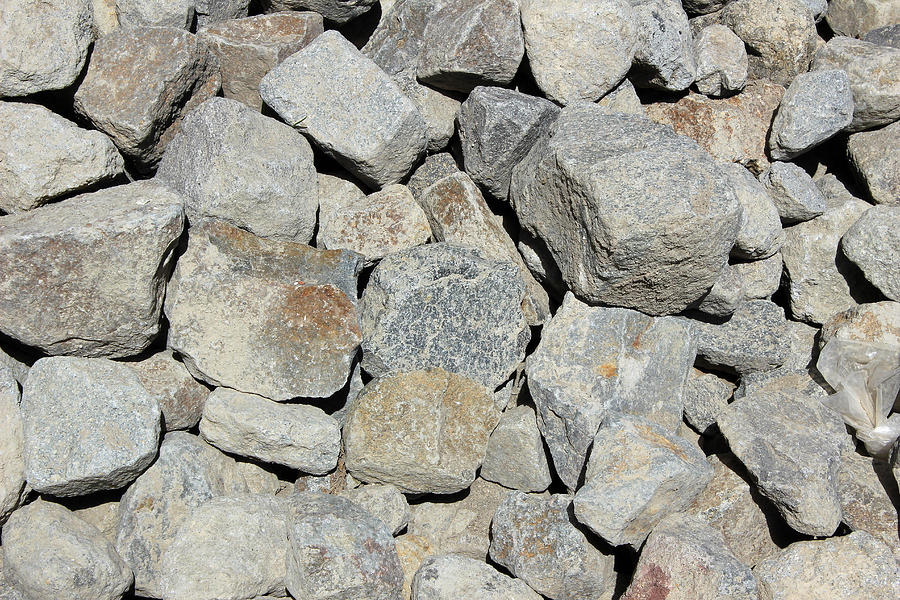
(87, 275)
(622, 99)
(376, 133)
(8, 591)
(448, 307)
(664, 58)
(536, 539)
(843, 568)
(14, 362)
(780, 36)
(637, 474)
(760, 233)
(873, 243)
(28, 64)
(450, 576)
(435, 167)
(376, 225)
(854, 18)
(422, 431)
(578, 51)
(48, 552)
(179, 395)
(103, 515)
(412, 550)
(874, 79)
(731, 129)
(686, 558)
(338, 550)
(439, 109)
(874, 158)
(249, 48)
(636, 251)
(753, 339)
(339, 11)
(721, 61)
(170, 13)
(459, 215)
(865, 504)
(889, 35)
(497, 127)
(385, 502)
(725, 296)
(515, 455)
(271, 318)
(761, 277)
(215, 11)
(232, 547)
(398, 39)
(140, 82)
(792, 190)
(705, 396)
(877, 322)
(816, 106)
(592, 360)
(12, 458)
(791, 444)
(336, 192)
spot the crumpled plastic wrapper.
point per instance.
(866, 378)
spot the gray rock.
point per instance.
(12, 451)
(592, 360)
(540, 262)
(703, 7)
(48, 552)
(753, 339)
(436, 167)
(874, 157)
(844, 568)
(705, 396)
(214, 11)
(637, 474)
(664, 58)
(102, 515)
(234, 164)
(89, 425)
(87, 275)
(376, 132)
(889, 35)
(622, 99)
(232, 547)
(725, 296)
(816, 106)
(439, 109)
(583, 190)
(538, 541)
(335, 192)
(497, 128)
(422, 431)
(865, 504)
(272, 318)
(338, 550)
(14, 362)
(721, 61)
(761, 277)
(28, 64)
(874, 73)
(385, 502)
(877, 322)
(449, 577)
(339, 11)
(444, 306)
(179, 395)
(140, 82)
(161, 13)
(854, 18)
(576, 50)
(8, 591)
(398, 39)
(515, 455)
(792, 190)
(873, 244)
(760, 233)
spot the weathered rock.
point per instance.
(179, 395)
(385, 502)
(874, 157)
(889, 35)
(725, 296)
(397, 41)
(721, 61)
(705, 396)
(165, 13)
(436, 167)
(760, 233)
(339, 11)
(338, 550)
(376, 132)
(44, 156)
(703, 7)
(844, 568)
(874, 73)
(537, 540)
(664, 57)
(873, 244)
(444, 306)
(792, 190)
(12, 451)
(637, 474)
(140, 82)
(450, 576)
(16, 364)
(515, 455)
(48, 552)
(87, 275)
(877, 322)
(622, 99)
(422, 431)
(761, 278)
(102, 515)
(753, 339)
(8, 591)
(865, 504)
(214, 11)
(412, 549)
(854, 18)
(264, 317)
(438, 108)
(577, 50)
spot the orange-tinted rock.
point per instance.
(180, 396)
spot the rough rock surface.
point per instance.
(888, 35)
(12, 452)
(721, 61)
(792, 190)
(874, 157)
(854, 18)
(142, 13)
(760, 234)
(436, 166)
(725, 296)
(450, 576)
(664, 57)
(385, 502)
(873, 244)
(761, 278)
(705, 396)
(753, 339)
(877, 322)
(179, 395)
(339, 11)
(865, 504)
(515, 455)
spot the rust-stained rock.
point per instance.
(180, 396)
(412, 550)
(865, 503)
(877, 322)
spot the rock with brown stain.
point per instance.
(865, 503)
(413, 550)
(180, 396)
(877, 322)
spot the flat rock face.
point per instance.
(179, 395)
(705, 396)
(538, 541)
(873, 243)
(28, 64)
(48, 552)
(577, 50)
(664, 58)
(877, 165)
(721, 61)
(592, 360)
(448, 307)
(865, 504)
(139, 84)
(449, 577)
(232, 163)
(515, 455)
(423, 431)
(760, 278)
(265, 317)
(89, 425)
(375, 132)
(160, 13)
(760, 234)
(12, 451)
(44, 156)
(586, 190)
(295, 435)
(87, 275)
(877, 322)
(385, 502)
(854, 18)
(339, 11)
(793, 191)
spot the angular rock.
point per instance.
(753, 339)
(336, 192)
(705, 396)
(249, 48)
(44, 156)
(761, 278)
(854, 18)
(214, 11)
(637, 474)
(412, 549)
(873, 244)
(721, 61)
(398, 39)
(725, 296)
(385, 502)
(140, 82)
(874, 157)
(14, 362)
(87, 275)
(577, 50)
(865, 504)
(422, 431)
(438, 108)
(877, 322)
(622, 99)
(515, 455)
(888, 35)
(12, 451)
(48, 552)
(179, 395)
(168, 13)
(450, 577)
(792, 190)
(664, 58)
(271, 318)
(339, 11)
(103, 515)
(537, 540)
(760, 233)
(436, 167)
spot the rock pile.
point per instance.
(443, 299)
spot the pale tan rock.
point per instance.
(12, 459)
(105, 17)
(876, 322)
(413, 550)
(180, 396)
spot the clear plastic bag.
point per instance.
(866, 378)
